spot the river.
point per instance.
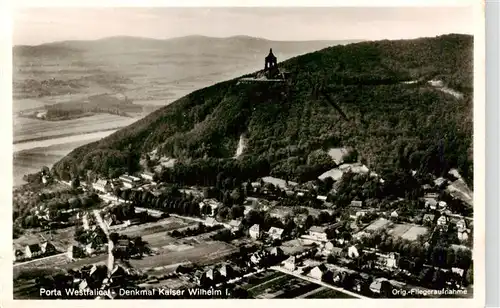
(31, 156)
(22, 146)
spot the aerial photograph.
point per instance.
(243, 153)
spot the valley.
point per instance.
(67, 77)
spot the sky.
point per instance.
(35, 26)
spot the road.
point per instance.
(111, 258)
(101, 222)
(280, 269)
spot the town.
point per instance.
(340, 236)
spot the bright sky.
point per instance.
(36, 26)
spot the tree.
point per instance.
(237, 196)
(74, 203)
(45, 170)
(469, 278)
(75, 183)
(113, 236)
(237, 211)
(223, 213)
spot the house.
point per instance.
(356, 203)
(428, 218)
(426, 187)
(330, 249)
(148, 176)
(254, 231)
(276, 252)
(352, 252)
(442, 205)
(211, 222)
(103, 186)
(442, 220)
(235, 225)
(129, 181)
(275, 233)
(47, 248)
(318, 233)
(210, 274)
(32, 251)
(91, 248)
(322, 198)
(318, 271)
(212, 203)
(83, 285)
(458, 271)
(431, 196)
(440, 182)
(392, 260)
(463, 234)
(394, 214)
(376, 285)
(462, 231)
(226, 271)
(256, 257)
(431, 203)
(461, 225)
(18, 255)
(289, 263)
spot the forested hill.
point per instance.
(356, 96)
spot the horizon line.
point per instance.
(230, 37)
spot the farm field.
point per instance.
(209, 252)
(48, 262)
(279, 285)
(26, 129)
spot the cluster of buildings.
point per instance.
(126, 181)
(34, 251)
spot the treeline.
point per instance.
(391, 125)
(95, 104)
(200, 229)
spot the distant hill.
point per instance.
(142, 68)
(370, 96)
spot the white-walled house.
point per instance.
(275, 233)
(352, 252)
(254, 231)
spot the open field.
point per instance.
(207, 253)
(378, 224)
(48, 262)
(159, 228)
(280, 285)
(408, 232)
(26, 129)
